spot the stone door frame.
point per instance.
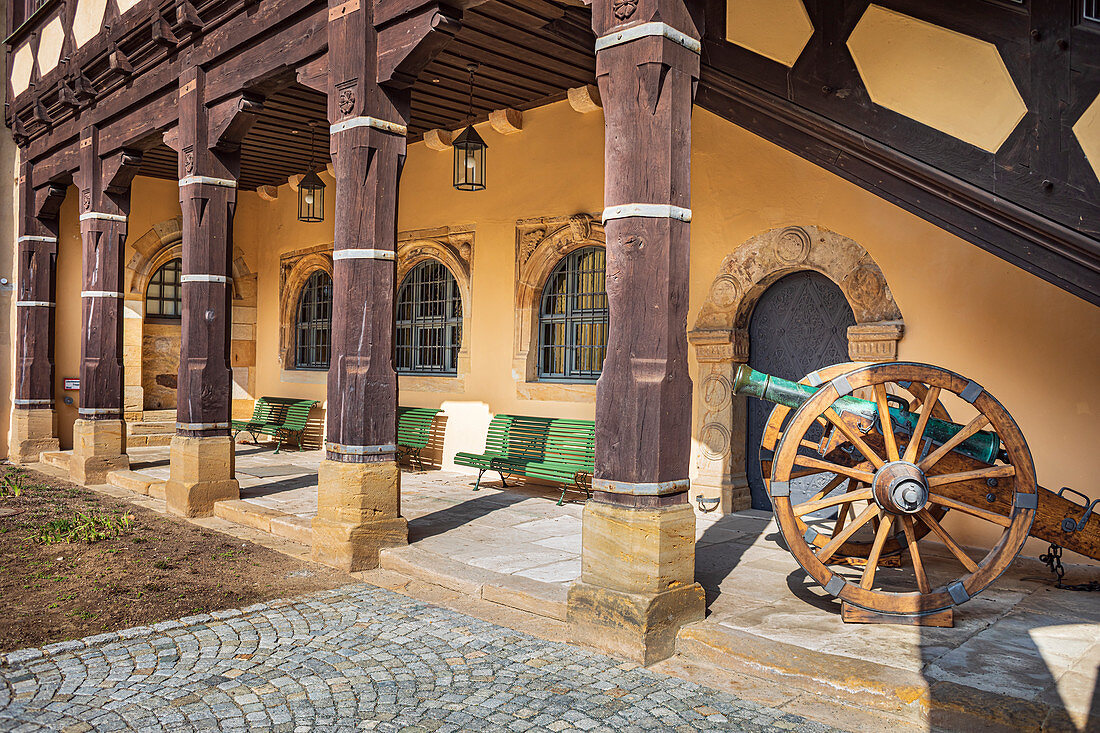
(720, 339)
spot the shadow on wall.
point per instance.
(432, 453)
(313, 436)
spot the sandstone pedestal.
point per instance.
(203, 472)
(99, 447)
(637, 580)
(31, 433)
(358, 513)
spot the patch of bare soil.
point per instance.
(74, 563)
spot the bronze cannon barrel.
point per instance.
(984, 446)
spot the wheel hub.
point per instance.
(900, 488)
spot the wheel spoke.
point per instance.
(931, 398)
(811, 462)
(954, 478)
(833, 483)
(837, 540)
(886, 423)
(868, 579)
(927, 518)
(998, 519)
(914, 553)
(854, 438)
(845, 510)
(971, 427)
(808, 507)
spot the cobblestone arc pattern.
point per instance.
(355, 658)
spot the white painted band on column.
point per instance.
(35, 303)
(32, 238)
(363, 254)
(643, 489)
(374, 122)
(105, 217)
(204, 279)
(28, 403)
(209, 181)
(647, 211)
(649, 29)
(201, 425)
(100, 294)
(360, 450)
(100, 410)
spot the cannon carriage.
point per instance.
(863, 463)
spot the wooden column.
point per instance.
(369, 80)
(99, 435)
(638, 559)
(33, 417)
(207, 141)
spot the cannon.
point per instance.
(862, 462)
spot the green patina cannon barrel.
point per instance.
(984, 446)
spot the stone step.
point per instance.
(288, 526)
(56, 458)
(145, 441)
(137, 482)
(147, 427)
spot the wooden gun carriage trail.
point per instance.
(863, 461)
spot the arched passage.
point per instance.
(720, 338)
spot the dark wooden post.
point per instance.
(99, 435)
(208, 145)
(370, 72)
(33, 416)
(637, 584)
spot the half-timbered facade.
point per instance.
(655, 168)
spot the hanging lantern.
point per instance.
(470, 150)
(311, 190)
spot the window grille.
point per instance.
(313, 330)
(573, 318)
(163, 297)
(429, 321)
(1091, 10)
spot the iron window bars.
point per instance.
(573, 318)
(313, 329)
(163, 297)
(429, 321)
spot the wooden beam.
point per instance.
(409, 43)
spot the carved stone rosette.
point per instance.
(720, 339)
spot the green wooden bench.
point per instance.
(279, 417)
(552, 449)
(414, 428)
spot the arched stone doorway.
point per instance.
(720, 338)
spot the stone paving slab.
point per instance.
(355, 658)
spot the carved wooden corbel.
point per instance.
(231, 119)
(83, 87)
(409, 43)
(47, 200)
(187, 17)
(119, 170)
(315, 74)
(119, 63)
(40, 112)
(162, 32)
(67, 97)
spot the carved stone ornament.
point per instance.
(346, 101)
(623, 9)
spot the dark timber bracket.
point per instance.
(409, 43)
(119, 170)
(47, 201)
(231, 119)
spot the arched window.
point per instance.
(429, 321)
(162, 296)
(313, 328)
(573, 318)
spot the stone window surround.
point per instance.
(541, 243)
(720, 339)
(451, 246)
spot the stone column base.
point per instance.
(203, 472)
(31, 434)
(638, 626)
(99, 446)
(732, 493)
(637, 584)
(358, 513)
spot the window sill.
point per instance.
(557, 391)
(425, 383)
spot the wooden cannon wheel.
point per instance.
(905, 488)
(773, 433)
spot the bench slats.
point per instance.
(279, 417)
(414, 429)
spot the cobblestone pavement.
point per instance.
(355, 658)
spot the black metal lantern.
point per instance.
(311, 190)
(470, 150)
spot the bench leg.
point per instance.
(561, 500)
(477, 484)
(419, 463)
(502, 481)
(278, 444)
